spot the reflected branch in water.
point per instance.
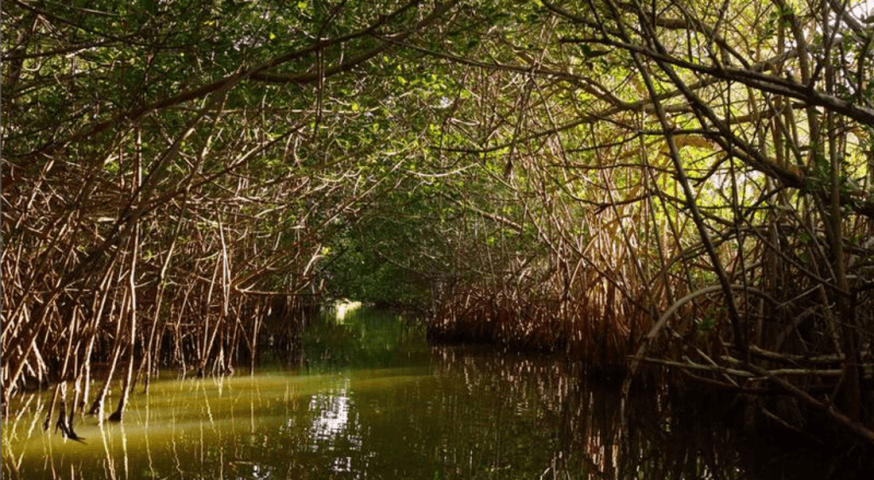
(124, 451)
(109, 459)
(152, 472)
(591, 441)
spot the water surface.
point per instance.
(367, 398)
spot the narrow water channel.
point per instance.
(370, 399)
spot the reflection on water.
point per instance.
(334, 408)
(378, 403)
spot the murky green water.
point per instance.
(371, 400)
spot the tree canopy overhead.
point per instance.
(603, 177)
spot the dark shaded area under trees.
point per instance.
(630, 183)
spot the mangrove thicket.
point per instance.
(635, 184)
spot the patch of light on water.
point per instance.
(333, 410)
(342, 464)
(343, 309)
(333, 417)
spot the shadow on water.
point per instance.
(378, 403)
